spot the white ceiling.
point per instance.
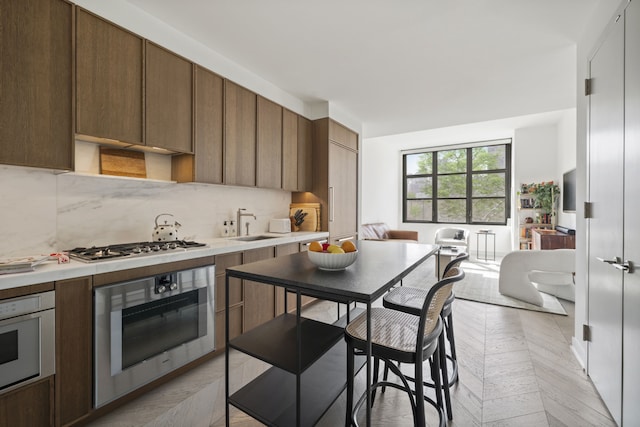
(399, 66)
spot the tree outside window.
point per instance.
(462, 185)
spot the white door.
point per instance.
(606, 159)
(631, 337)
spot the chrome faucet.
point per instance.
(240, 215)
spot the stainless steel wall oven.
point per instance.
(27, 339)
(148, 327)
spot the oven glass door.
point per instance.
(149, 329)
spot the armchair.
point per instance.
(453, 237)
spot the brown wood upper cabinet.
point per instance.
(305, 163)
(240, 135)
(109, 80)
(289, 150)
(269, 144)
(207, 164)
(342, 135)
(36, 83)
(296, 152)
(335, 173)
(168, 100)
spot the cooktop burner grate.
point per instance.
(103, 253)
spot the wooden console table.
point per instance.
(552, 239)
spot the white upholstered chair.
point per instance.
(450, 236)
(524, 274)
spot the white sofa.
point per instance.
(447, 237)
(524, 274)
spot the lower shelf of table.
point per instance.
(271, 397)
(276, 342)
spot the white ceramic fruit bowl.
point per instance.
(332, 262)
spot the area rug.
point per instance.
(481, 284)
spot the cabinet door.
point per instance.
(269, 144)
(305, 164)
(259, 298)
(208, 127)
(108, 80)
(240, 135)
(74, 356)
(343, 187)
(289, 150)
(28, 406)
(342, 135)
(168, 100)
(283, 250)
(235, 298)
(631, 291)
(35, 83)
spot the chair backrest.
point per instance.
(433, 303)
(462, 256)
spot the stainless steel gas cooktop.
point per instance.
(109, 252)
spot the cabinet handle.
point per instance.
(331, 201)
(346, 238)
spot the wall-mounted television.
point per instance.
(569, 191)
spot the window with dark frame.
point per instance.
(460, 185)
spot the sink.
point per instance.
(252, 238)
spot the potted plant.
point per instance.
(546, 196)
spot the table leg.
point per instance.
(369, 351)
(299, 349)
(486, 237)
(494, 247)
(226, 351)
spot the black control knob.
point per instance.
(164, 283)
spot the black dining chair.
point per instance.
(402, 338)
(410, 299)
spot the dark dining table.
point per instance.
(308, 357)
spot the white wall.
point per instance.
(567, 160)
(535, 137)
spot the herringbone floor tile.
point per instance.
(516, 369)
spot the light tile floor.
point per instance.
(516, 369)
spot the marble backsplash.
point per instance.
(45, 211)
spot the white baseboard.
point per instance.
(579, 351)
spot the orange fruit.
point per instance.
(348, 246)
(315, 246)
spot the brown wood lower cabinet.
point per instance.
(28, 406)
(283, 250)
(259, 299)
(236, 303)
(74, 356)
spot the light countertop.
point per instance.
(50, 271)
